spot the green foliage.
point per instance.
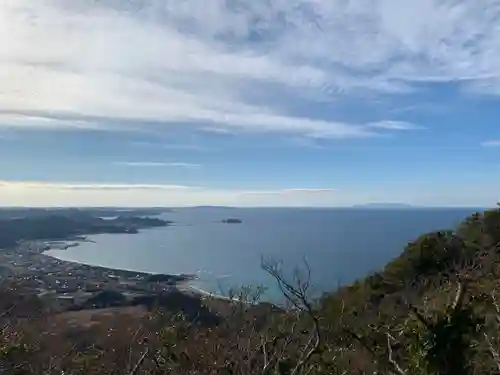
(431, 255)
(62, 226)
(12, 349)
(482, 228)
(450, 342)
(442, 345)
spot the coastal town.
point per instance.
(74, 284)
(26, 234)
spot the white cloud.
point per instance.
(166, 145)
(21, 185)
(393, 125)
(31, 121)
(129, 64)
(492, 143)
(36, 193)
(33, 193)
(147, 164)
(307, 191)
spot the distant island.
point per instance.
(232, 221)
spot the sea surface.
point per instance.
(340, 245)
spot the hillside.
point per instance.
(432, 310)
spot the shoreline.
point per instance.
(117, 270)
(183, 286)
(186, 285)
(33, 270)
(32, 265)
(203, 293)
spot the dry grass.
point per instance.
(90, 318)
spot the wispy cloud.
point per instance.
(394, 125)
(154, 164)
(170, 146)
(39, 193)
(290, 191)
(492, 143)
(308, 191)
(88, 186)
(36, 193)
(183, 64)
(183, 146)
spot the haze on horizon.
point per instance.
(249, 103)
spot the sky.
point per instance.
(249, 103)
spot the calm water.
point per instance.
(339, 244)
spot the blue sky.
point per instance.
(249, 103)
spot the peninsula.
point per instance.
(62, 224)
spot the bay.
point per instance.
(340, 245)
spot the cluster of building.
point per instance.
(73, 282)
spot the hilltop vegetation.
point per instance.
(23, 212)
(38, 224)
(431, 311)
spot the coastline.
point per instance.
(31, 269)
(104, 268)
(28, 264)
(186, 285)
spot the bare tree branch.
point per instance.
(266, 357)
(494, 353)
(419, 316)
(309, 350)
(359, 339)
(297, 295)
(395, 366)
(4, 313)
(497, 307)
(139, 362)
(278, 355)
(459, 296)
(130, 349)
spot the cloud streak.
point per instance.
(20, 185)
(155, 164)
(61, 194)
(491, 143)
(37, 193)
(181, 66)
(393, 125)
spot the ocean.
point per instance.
(340, 245)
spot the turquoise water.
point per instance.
(340, 245)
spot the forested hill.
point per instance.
(436, 301)
(54, 225)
